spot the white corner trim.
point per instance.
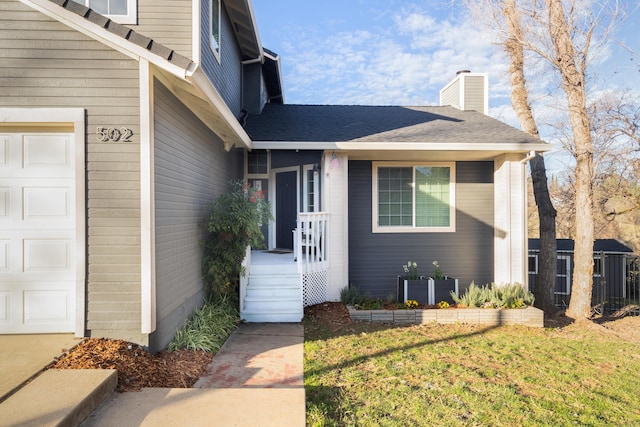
(147, 205)
(76, 118)
(195, 31)
(102, 35)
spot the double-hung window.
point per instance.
(413, 197)
(121, 11)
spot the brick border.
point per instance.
(529, 316)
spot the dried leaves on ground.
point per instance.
(137, 368)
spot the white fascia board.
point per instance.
(199, 79)
(102, 35)
(252, 16)
(400, 146)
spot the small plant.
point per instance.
(443, 304)
(411, 270)
(350, 295)
(411, 303)
(391, 298)
(208, 328)
(437, 273)
(491, 296)
(372, 304)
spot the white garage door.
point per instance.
(37, 233)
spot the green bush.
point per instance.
(234, 223)
(208, 328)
(511, 295)
(350, 295)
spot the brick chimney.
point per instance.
(467, 91)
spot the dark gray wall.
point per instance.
(375, 260)
(226, 75)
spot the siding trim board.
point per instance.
(64, 117)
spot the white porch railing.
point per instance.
(310, 241)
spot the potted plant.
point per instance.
(412, 285)
(441, 286)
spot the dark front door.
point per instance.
(286, 208)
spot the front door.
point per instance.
(286, 210)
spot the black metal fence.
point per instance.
(616, 282)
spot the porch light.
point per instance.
(335, 162)
(316, 169)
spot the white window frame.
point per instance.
(598, 259)
(535, 268)
(375, 228)
(130, 18)
(316, 187)
(256, 175)
(215, 49)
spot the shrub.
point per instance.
(411, 303)
(443, 304)
(208, 328)
(350, 295)
(234, 223)
(492, 296)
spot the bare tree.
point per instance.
(545, 284)
(564, 39)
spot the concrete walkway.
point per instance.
(23, 356)
(256, 379)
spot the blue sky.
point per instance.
(402, 52)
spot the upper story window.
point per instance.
(413, 197)
(121, 11)
(214, 39)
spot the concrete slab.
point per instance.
(24, 356)
(158, 407)
(58, 397)
(258, 355)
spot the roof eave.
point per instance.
(403, 146)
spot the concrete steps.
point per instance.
(59, 397)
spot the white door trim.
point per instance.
(64, 118)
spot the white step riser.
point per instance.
(273, 282)
(273, 318)
(271, 306)
(273, 269)
(286, 293)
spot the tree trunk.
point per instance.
(571, 66)
(546, 280)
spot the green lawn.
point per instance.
(435, 375)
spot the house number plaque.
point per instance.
(114, 134)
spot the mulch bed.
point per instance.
(137, 368)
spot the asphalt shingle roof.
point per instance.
(340, 123)
(599, 245)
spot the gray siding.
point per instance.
(474, 93)
(375, 260)
(191, 169)
(168, 22)
(451, 96)
(46, 64)
(226, 75)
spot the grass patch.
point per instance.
(208, 328)
(370, 375)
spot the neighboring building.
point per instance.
(118, 127)
(615, 273)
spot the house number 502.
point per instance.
(114, 134)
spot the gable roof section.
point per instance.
(354, 127)
(244, 26)
(599, 245)
(194, 87)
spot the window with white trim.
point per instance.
(597, 266)
(413, 197)
(121, 11)
(311, 186)
(214, 20)
(533, 264)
